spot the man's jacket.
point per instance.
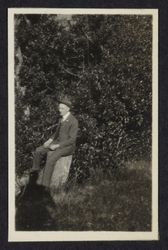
(66, 133)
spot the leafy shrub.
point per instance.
(104, 64)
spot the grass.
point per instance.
(120, 201)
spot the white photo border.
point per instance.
(20, 236)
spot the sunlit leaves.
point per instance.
(104, 64)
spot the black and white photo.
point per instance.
(83, 124)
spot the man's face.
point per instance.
(63, 109)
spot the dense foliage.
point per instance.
(104, 64)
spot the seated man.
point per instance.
(61, 143)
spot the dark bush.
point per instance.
(104, 63)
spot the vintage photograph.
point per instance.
(83, 93)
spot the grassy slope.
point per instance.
(120, 202)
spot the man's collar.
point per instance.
(65, 116)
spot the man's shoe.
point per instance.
(33, 176)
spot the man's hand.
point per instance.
(47, 143)
(54, 146)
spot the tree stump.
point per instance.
(60, 172)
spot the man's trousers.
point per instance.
(52, 157)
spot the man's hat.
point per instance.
(65, 101)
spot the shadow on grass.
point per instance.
(120, 201)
